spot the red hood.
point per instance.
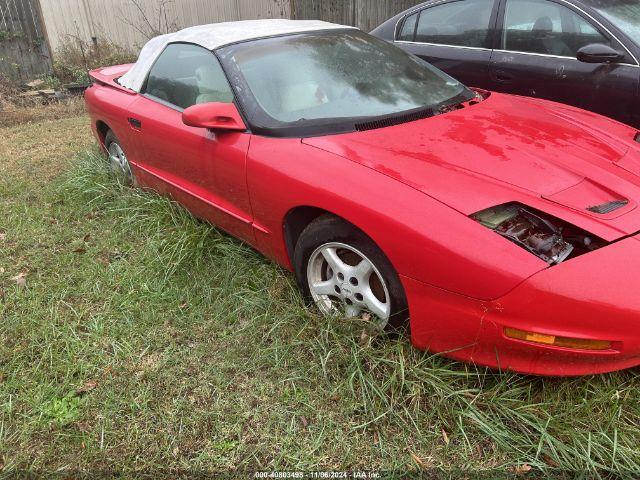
(507, 148)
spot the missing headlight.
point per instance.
(549, 238)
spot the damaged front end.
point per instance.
(549, 238)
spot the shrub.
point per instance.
(8, 92)
(75, 57)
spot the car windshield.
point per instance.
(316, 78)
(624, 14)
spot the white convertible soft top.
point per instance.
(214, 36)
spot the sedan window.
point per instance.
(624, 14)
(544, 27)
(408, 28)
(185, 75)
(461, 23)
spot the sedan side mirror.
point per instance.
(214, 116)
(599, 53)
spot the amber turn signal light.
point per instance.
(567, 342)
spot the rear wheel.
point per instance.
(345, 274)
(118, 163)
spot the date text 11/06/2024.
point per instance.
(318, 475)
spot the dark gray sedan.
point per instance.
(580, 52)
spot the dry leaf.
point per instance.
(366, 316)
(550, 461)
(87, 387)
(80, 250)
(376, 438)
(3, 237)
(1, 270)
(522, 469)
(445, 437)
(304, 421)
(20, 279)
(364, 336)
(417, 459)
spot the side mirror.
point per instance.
(214, 116)
(599, 53)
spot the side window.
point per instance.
(185, 75)
(541, 26)
(408, 28)
(460, 23)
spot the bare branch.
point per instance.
(150, 24)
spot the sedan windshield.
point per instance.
(333, 78)
(624, 14)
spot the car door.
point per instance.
(455, 36)
(536, 55)
(200, 168)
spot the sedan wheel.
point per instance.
(344, 273)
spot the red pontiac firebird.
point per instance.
(503, 230)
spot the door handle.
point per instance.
(503, 77)
(135, 123)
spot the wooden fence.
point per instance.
(364, 14)
(131, 22)
(24, 52)
(29, 29)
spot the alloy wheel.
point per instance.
(343, 281)
(119, 164)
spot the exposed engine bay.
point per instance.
(547, 237)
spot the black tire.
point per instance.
(125, 175)
(110, 138)
(331, 229)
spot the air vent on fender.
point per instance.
(608, 207)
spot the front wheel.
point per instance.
(345, 274)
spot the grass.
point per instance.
(144, 340)
(16, 111)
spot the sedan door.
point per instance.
(454, 36)
(536, 56)
(200, 168)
